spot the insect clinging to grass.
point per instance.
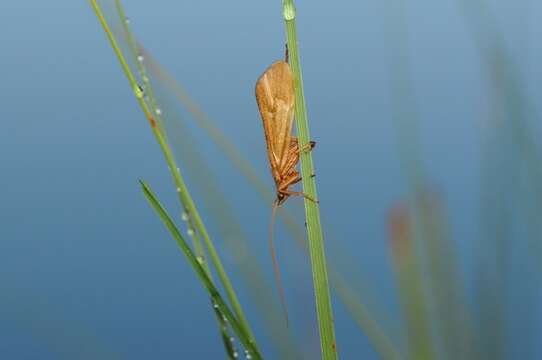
(276, 101)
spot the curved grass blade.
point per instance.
(221, 305)
(195, 238)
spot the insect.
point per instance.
(276, 100)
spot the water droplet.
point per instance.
(179, 189)
(215, 305)
(138, 91)
(127, 20)
(145, 79)
(140, 58)
(235, 354)
(159, 112)
(247, 354)
(288, 10)
(232, 339)
(184, 216)
(190, 232)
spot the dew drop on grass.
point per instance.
(247, 354)
(235, 354)
(288, 10)
(145, 79)
(127, 20)
(140, 58)
(232, 339)
(138, 91)
(178, 189)
(184, 216)
(190, 232)
(159, 112)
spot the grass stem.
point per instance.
(312, 212)
(179, 182)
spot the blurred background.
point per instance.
(428, 164)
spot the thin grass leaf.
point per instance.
(196, 242)
(244, 337)
(312, 212)
(182, 190)
(227, 340)
(138, 59)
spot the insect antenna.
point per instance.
(278, 281)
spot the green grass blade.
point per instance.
(227, 340)
(182, 190)
(312, 212)
(244, 337)
(138, 59)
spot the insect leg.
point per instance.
(292, 178)
(300, 193)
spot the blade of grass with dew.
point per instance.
(312, 212)
(366, 319)
(227, 340)
(147, 88)
(244, 337)
(157, 113)
(138, 60)
(182, 190)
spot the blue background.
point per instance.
(86, 268)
